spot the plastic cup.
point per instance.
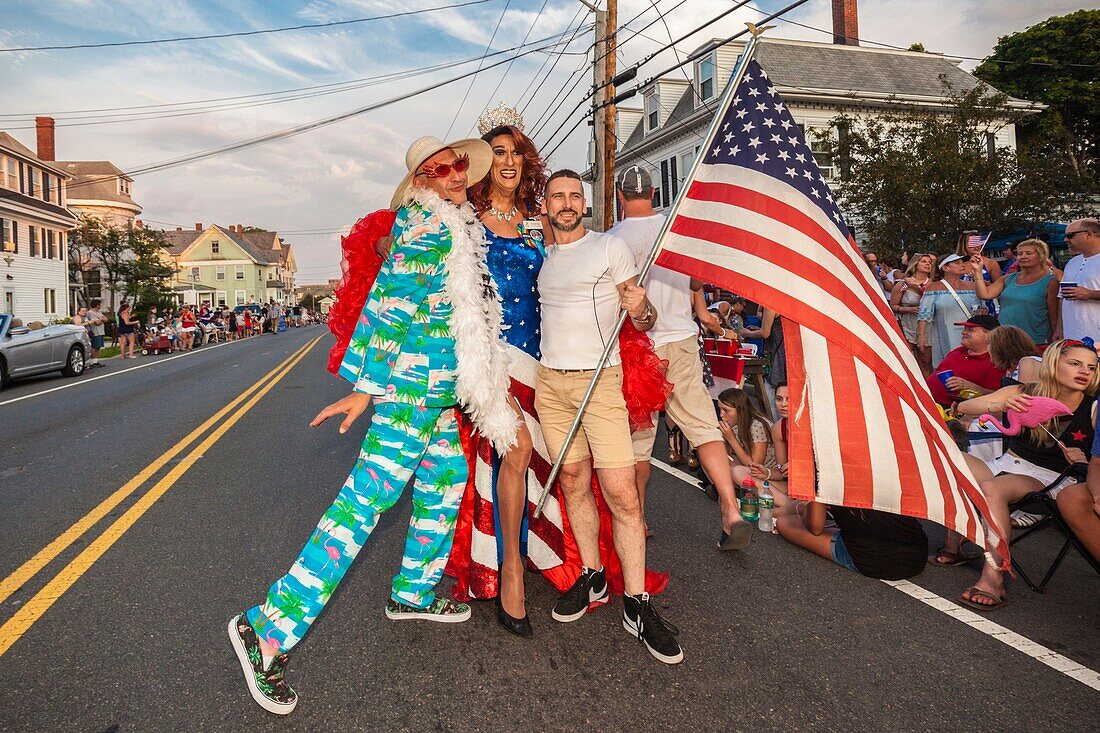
(1063, 285)
(944, 376)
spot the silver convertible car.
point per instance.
(36, 349)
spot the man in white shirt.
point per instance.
(675, 339)
(1080, 287)
(587, 278)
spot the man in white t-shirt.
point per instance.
(587, 278)
(1081, 300)
(675, 338)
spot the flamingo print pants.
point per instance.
(403, 441)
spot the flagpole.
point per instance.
(735, 81)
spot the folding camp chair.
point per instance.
(1046, 506)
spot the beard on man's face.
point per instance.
(562, 226)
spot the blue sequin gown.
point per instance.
(514, 263)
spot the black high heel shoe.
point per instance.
(517, 626)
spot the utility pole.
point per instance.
(603, 122)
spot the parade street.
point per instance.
(145, 503)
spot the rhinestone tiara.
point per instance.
(500, 115)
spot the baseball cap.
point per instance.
(634, 179)
(986, 322)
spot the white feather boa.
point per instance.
(481, 378)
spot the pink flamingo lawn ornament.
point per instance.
(1041, 410)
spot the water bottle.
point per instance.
(748, 500)
(767, 503)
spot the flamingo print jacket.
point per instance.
(402, 349)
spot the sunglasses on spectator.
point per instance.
(443, 170)
(1071, 235)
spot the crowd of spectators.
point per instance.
(990, 337)
(184, 328)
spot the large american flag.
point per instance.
(758, 219)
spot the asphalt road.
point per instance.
(130, 635)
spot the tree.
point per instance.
(1055, 62)
(94, 246)
(918, 176)
(145, 274)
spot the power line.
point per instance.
(325, 90)
(543, 77)
(509, 67)
(474, 77)
(316, 124)
(930, 53)
(245, 33)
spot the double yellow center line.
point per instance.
(26, 616)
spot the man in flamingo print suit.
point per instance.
(404, 357)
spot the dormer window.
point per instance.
(705, 72)
(652, 111)
(123, 186)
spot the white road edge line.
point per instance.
(114, 374)
(1049, 657)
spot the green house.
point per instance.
(228, 266)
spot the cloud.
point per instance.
(328, 178)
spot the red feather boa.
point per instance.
(360, 265)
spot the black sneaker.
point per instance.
(268, 687)
(589, 591)
(641, 619)
(443, 610)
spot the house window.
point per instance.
(34, 181)
(215, 247)
(34, 240)
(196, 274)
(50, 244)
(652, 111)
(13, 175)
(7, 239)
(220, 298)
(93, 281)
(123, 186)
(706, 78)
(239, 275)
(219, 272)
(823, 155)
(50, 298)
(238, 297)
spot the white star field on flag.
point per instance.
(784, 157)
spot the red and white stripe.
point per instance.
(863, 418)
(545, 536)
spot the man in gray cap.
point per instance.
(675, 338)
(427, 341)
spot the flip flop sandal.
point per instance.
(737, 538)
(1022, 519)
(955, 558)
(983, 607)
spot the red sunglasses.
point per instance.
(443, 170)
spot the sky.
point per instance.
(309, 186)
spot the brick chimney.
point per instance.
(44, 126)
(198, 226)
(845, 23)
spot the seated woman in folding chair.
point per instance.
(1036, 457)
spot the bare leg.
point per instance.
(511, 503)
(999, 492)
(716, 463)
(621, 496)
(792, 528)
(1076, 504)
(584, 517)
(642, 469)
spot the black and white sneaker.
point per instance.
(641, 619)
(268, 686)
(589, 591)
